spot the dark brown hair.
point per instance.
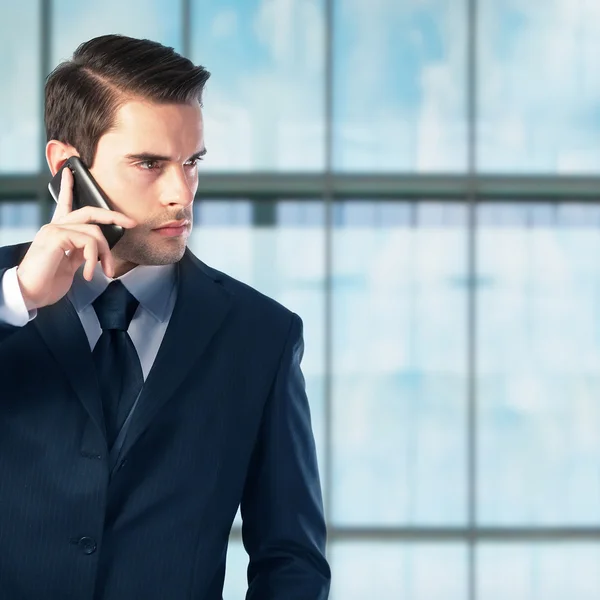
(84, 93)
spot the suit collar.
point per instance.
(151, 285)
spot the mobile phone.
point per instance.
(86, 192)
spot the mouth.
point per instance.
(173, 229)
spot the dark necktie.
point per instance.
(117, 362)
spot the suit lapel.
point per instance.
(60, 327)
(201, 307)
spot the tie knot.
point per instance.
(115, 307)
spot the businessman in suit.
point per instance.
(145, 395)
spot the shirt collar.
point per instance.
(151, 285)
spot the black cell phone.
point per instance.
(86, 192)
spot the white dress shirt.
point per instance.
(153, 286)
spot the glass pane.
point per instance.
(539, 571)
(400, 85)
(267, 257)
(392, 570)
(19, 221)
(399, 364)
(538, 379)
(236, 582)
(538, 86)
(76, 22)
(264, 101)
(20, 100)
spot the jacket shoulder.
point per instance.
(252, 305)
(247, 295)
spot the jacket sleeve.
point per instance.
(283, 527)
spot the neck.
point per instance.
(122, 267)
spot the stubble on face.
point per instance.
(142, 246)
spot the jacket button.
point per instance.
(87, 545)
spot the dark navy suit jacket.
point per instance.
(223, 419)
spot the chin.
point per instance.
(152, 254)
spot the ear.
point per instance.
(57, 154)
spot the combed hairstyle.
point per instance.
(82, 95)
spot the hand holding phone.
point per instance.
(59, 248)
(86, 192)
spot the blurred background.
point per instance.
(419, 180)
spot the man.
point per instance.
(145, 395)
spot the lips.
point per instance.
(174, 224)
(175, 229)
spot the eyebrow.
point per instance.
(160, 157)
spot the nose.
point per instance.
(179, 187)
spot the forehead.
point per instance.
(145, 123)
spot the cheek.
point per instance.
(193, 181)
(130, 195)
(113, 186)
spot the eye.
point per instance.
(194, 162)
(149, 165)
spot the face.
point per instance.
(148, 167)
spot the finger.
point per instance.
(80, 246)
(108, 265)
(92, 214)
(87, 229)
(78, 243)
(64, 205)
(103, 250)
(90, 253)
(75, 258)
